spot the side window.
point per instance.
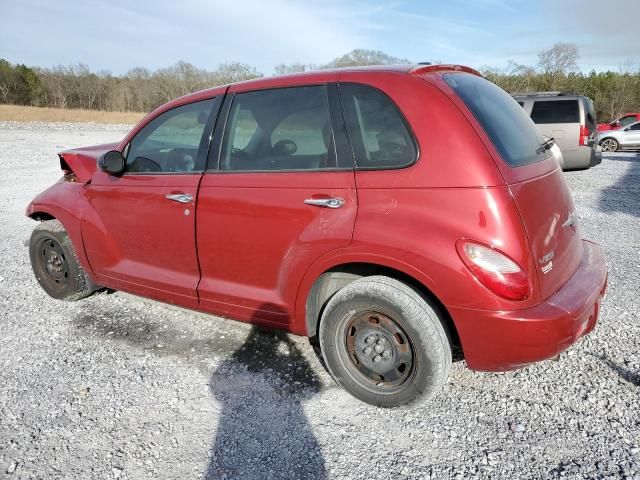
(555, 111)
(635, 127)
(521, 104)
(378, 131)
(170, 142)
(279, 129)
(624, 121)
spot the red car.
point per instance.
(394, 215)
(624, 121)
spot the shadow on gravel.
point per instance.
(624, 195)
(263, 431)
(625, 373)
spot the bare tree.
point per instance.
(558, 62)
(297, 67)
(361, 56)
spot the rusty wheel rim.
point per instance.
(380, 354)
(54, 265)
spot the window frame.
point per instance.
(343, 152)
(361, 146)
(203, 146)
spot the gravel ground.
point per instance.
(116, 386)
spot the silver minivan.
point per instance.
(570, 120)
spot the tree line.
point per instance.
(141, 90)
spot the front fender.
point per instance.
(65, 202)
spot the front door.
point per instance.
(281, 197)
(632, 136)
(140, 231)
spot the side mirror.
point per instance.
(112, 162)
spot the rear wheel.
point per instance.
(55, 264)
(609, 145)
(384, 343)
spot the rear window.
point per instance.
(506, 123)
(555, 111)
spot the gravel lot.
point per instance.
(116, 386)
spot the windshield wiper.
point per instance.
(546, 145)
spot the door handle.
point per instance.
(335, 202)
(179, 197)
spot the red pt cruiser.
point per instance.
(391, 214)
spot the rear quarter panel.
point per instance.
(416, 214)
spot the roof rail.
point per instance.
(419, 70)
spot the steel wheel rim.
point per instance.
(609, 145)
(376, 351)
(54, 264)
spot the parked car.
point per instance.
(568, 119)
(393, 215)
(621, 122)
(625, 138)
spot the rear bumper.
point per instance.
(583, 157)
(596, 156)
(499, 341)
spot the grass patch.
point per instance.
(20, 113)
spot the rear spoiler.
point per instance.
(422, 69)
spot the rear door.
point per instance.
(558, 119)
(279, 193)
(537, 184)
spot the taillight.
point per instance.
(584, 136)
(495, 270)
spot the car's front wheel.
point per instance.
(385, 343)
(609, 145)
(55, 264)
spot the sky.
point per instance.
(116, 35)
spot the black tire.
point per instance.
(400, 321)
(55, 263)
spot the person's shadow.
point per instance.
(263, 431)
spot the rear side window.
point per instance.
(512, 132)
(555, 111)
(635, 127)
(279, 130)
(379, 133)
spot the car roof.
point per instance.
(407, 69)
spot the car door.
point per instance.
(631, 136)
(560, 120)
(279, 193)
(139, 231)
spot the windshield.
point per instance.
(506, 123)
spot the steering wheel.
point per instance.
(144, 164)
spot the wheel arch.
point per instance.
(335, 277)
(41, 216)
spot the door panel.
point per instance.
(139, 229)
(134, 234)
(256, 237)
